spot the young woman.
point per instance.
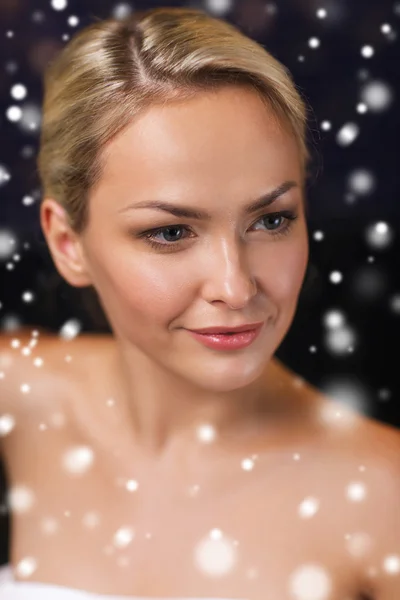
(171, 460)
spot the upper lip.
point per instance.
(222, 329)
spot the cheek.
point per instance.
(145, 290)
(283, 272)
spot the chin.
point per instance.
(229, 377)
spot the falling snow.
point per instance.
(310, 582)
(78, 460)
(357, 187)
(215, 555)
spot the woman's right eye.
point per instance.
(150, 236)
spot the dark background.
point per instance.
(353, 195)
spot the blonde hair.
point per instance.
(113, 69)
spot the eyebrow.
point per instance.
(191, 213)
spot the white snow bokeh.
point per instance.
(339, 337)
(7, 424)
(49, 525)
(206, 433)
(91, 519)
(8, 240)
(215, 555)
(18, 91)
(20, 498)
(356, 491)
(379, 235)
(350, 397)
(131, 485)
(77, 460)
(347, 134)
(334, 318)
(123, 537)
(391, 564)
(314, 42)
(26, 567)
(310, 582)
(335, 277)
(70, 329)
(218, 7)
(121, 10)
(308, 507)
(361, 182)
(5, 177)
(377, 95)
(59, 4)
(367, 51)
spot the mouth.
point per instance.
(228, 340)
(227, 330)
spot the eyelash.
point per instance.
(150, 234)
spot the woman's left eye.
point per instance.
(151, 235)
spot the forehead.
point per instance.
(223, 138)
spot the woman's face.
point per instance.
(217, 153)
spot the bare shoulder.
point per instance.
(358, 435)
(340, 428)
(383, 440)
(352, 463)
(23, 364)
(364, 456)
(377, 500)
(38, 367)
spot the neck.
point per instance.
(165, 416)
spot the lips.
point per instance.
(227, 330)
(228, 341)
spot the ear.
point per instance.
(64, 244)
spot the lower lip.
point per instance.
(221, 341)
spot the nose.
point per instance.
(229, 277)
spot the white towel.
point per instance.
(31, 590)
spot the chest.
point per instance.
(106, 531)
